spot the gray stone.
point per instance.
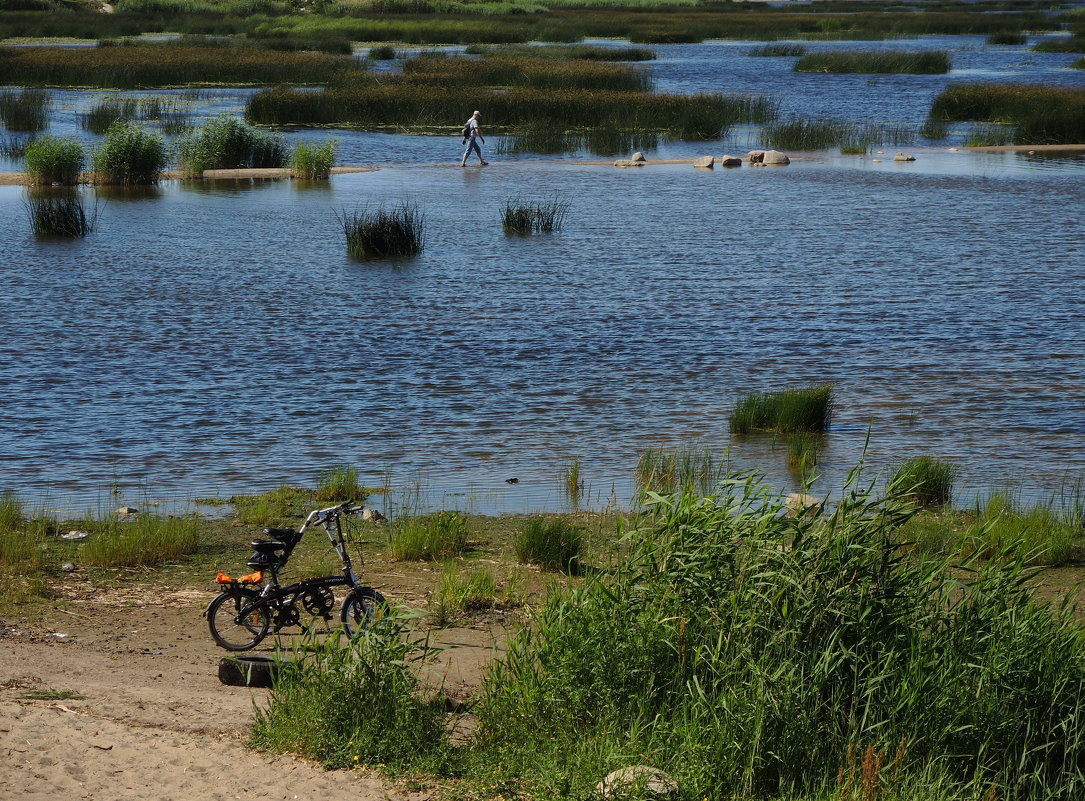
(756, 156)
(127, 510)
(904, 157)
(638, 157)
(799, 505)
(628, 163)
(774, 158)
(730, 161)
(68, 567)
(704, 162)
(641, 779)
(372, 515)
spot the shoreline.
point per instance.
(23, 179)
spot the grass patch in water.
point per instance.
(777, 49)
(523, 71)
(26, 110)
(55, 160)
(1007, 38)
(129, 155)
(340, 484)
(228, 143)
(542, 216)
(1039, 115)
(676, 471)
(801, 409)
(928, 62)
(382, 52)
(1070, 44)
(313, 161)
(146, 65)
(384, 233)
(62, 215)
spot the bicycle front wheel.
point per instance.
(232, 630)
(362, 608)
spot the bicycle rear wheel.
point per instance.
(230, 630)
(363, 607)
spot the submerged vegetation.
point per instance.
(1037, 114)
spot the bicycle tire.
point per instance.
(362, 608)
(228, 631)
(250, 670)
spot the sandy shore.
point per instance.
(22, 179)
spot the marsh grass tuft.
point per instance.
(129, 155)
(340, 484)
(776, 49)
(228, 143)
(572, 481)
(803, 450)
(926, 480)
(313, 161)
(54, 160)
(1007, 38)
(800, 409)
(458, 594)
(384, 233)
(553, 543)
(524, 218)
(676, 471)
(384, 52)
(24, 111)
(64, 215)
(437, 536)
(927, 62)
(1038, 114)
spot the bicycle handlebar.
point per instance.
(320, 515)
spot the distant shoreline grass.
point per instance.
(1039, 115)
(927, 62)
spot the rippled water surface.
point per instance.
(215, 337)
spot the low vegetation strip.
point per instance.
(420, 106)
(1040, 115)
(927, 62)
(146, 66)
(524, 71)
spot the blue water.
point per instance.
(214, 337)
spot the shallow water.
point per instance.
(214, 337)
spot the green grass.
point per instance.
(756, 657)
(1037, 114)
(228, 143)
(438, 536)
(313, 161)
(774, 50)
(340, 484)
(129, 155)
(22, 554)
(63, 215)
(524, 71)
(384, 52)
(926, 480)
(800, 409)
(803, 450)
(54, 160)
(147, 540)
(458, 594)
(1071, 44)
(676, 470)
(520, 217)
(26, 110)
(572, 481)
(928, 62)
(553, 543)
(384, 233)
(357, 703)
(1007, 38)
(151, 65)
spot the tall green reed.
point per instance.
(24, 110)
(226, 143)
(54, 160)
(797, 409)
(60, 214)
(384, 233)
(542, 216)
(927, 62)
(129, 155)
(676, 470)
(926, 480)
(313, 161)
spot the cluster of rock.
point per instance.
(756, 158)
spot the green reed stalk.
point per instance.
(314, 160)
(929, 62)
(54, 160)
(26, 110)
(64, 215)
(384, 233)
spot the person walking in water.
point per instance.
(473, 135)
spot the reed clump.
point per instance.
(745, 653)
(148, 65)
(926, 480)
(541, 216)
(524, 71)
(1038, 114)
(683, 470)
(438, 536)
(927, 62)
(1071, 44)
(382, 52)
(553, 543)
(340, 483)
(801, 409)
(55, 160)
(63, 215)
(228, 143)
(129, 155)
(777, 49)
(1007, 38)
(26, 110)
(384, 233)
(313, 161)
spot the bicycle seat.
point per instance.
(268, 546)
(284, 534)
